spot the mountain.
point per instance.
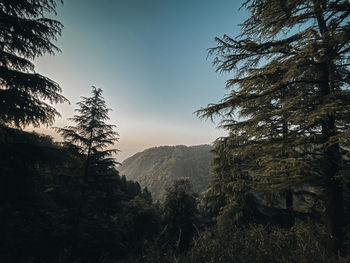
(157, 168)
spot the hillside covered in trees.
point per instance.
(159, 167)
(279, 190)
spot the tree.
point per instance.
(26, 34)
(288, 109)
(92, 134)
(142, 221)
(230, 187)
(180, 214)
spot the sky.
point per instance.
(150, 59)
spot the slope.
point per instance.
(156, 168)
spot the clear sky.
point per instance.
(150, 59)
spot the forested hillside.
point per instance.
(48, 212)
(159, 167)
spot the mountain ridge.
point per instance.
(156, 168)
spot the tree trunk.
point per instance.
(86, 172)
(334, 215)
(289, 192)
(330, 167)
(332, 159)
(289, 207)
(333, 189)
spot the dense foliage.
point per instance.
(287, 112)
(304, 243)
(41, 200)
(26, 33)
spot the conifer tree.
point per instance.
(92, 134)
(180, 214)
(288, 111)
(25, 34)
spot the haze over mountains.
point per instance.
(157, 168)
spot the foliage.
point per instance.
(143, 222)
(261, 243)
(180, 214)
(230, 188)
(27, 33)
(40, 203)
(288, 107)
(28, 215)
(92, 134)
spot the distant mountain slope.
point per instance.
(157, 168)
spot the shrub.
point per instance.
(261, 243)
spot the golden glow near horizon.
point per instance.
(136, 135)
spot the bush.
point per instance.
(259, 243)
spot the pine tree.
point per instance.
(180, 214)
(92, 135)
(288, 111)
(230, 188)
(26, 33)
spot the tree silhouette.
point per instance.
(92, 134)
(26, 33)
(288, 111)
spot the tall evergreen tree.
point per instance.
(25, 34)
(180, 214)
(288, 109)
(92, 134)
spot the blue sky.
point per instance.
(150, 59)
